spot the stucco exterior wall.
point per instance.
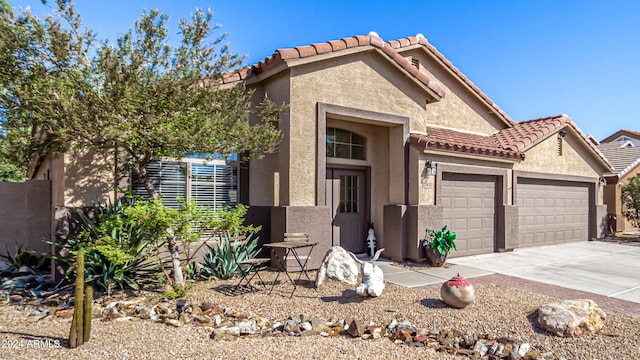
(268, 177)
(575, 159)
(359, 82)
(88, 177)
(426, 184)
(368, 81)
(460, 109)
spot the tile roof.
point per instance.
(623, 159)
(456, 141)
(507, 143)
(390, 48)
(614, 145)
(629, 133)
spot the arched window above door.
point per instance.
(346, 144)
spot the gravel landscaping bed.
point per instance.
(498, 310)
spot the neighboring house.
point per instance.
(623, 135)
(392, 133)
(625, 158)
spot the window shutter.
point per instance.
(169, 179)
(214, 185)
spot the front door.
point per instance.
(347, 195)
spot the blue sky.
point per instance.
(533, 58)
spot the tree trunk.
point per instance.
(178, 279)
(174, 251)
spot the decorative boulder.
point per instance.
(570, 318)
(457, 292)
(339, 265)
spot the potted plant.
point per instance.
(439, 244)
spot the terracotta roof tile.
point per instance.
(372, 39)
(338, 44)
(507, 143)
(322, 48)
(351, 42)
(362, 40)
(288, 53)
(455, 141)
(529, 132)
(306, 50)
(404, 42)
(394, 43)
(391, 49)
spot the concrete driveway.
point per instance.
(607, 269)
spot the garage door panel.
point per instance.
(469, 207)
(560, 211)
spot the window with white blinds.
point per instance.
(213, 184)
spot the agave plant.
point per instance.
(221, 260)
(23, 257)
(117, 252)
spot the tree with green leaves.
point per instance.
(631, 201)
(138, 98)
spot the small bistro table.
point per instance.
(291, 249)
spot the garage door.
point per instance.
(469, 208)
(551, 212)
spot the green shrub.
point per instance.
(117, 251)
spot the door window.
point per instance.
(349, 190)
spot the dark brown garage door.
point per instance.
(551, 212)
(469, 208)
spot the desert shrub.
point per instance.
(117, 251)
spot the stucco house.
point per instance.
(392, 133)
(625, 158)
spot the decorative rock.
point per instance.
(207, 305)
(202, 319)
(571, 317)
(306, 326)
(337, 264)
(457, 292)
(248, 327)
(226, 333)
(392, 324)
(184, 318)
(146, 313)
(481, 348)
(174, 323)
(523, 349)
(356, 328)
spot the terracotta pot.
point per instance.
(457, 292)
(434, 258)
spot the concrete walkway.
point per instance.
(607, 269)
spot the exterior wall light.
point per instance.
(430, 167)
(562, 133)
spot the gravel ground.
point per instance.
(502, 311)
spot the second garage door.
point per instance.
(551, 212)
(469, 203)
